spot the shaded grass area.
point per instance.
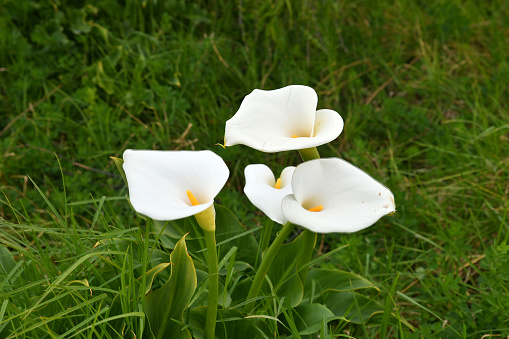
(422, 88)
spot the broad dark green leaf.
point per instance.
(357, 308)
(344, 305)
(333, 280)
(224, 298)
(285, 272)
(230, 232)
(241, 290)
(165, 307)
(230, 324)
(308, 318)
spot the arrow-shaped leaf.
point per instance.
(165, 307)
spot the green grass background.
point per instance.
(422, 87)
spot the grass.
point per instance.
(422, 87)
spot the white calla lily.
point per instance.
(163, 183)
(281, 120)
(332, 195)
(265, 192)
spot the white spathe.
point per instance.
(158, 181)
(352, 200)
(260, 190)
(268, 120)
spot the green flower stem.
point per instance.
(309, 154)
(210, 322)
(267, 231)
(265, 239)
(265, 264)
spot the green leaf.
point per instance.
(165, 307)
(286, 272)
(103, 80)
(119, 163)
(116, 305)
(230, 324)
(343, 305)
(7, 262)
(201, 295)
(230, 232)
(240, 291)
(309, 318)
(334, 280)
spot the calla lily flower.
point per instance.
(265, 192)
(332, 195)
(169, 185)
(281, 120)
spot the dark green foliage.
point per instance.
(422, 87)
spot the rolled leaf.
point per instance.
(165, 307)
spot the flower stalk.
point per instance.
(309, 154)
(267, 231)
(170, 185)
(265, 264)
(207, 221)
(210, 322)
